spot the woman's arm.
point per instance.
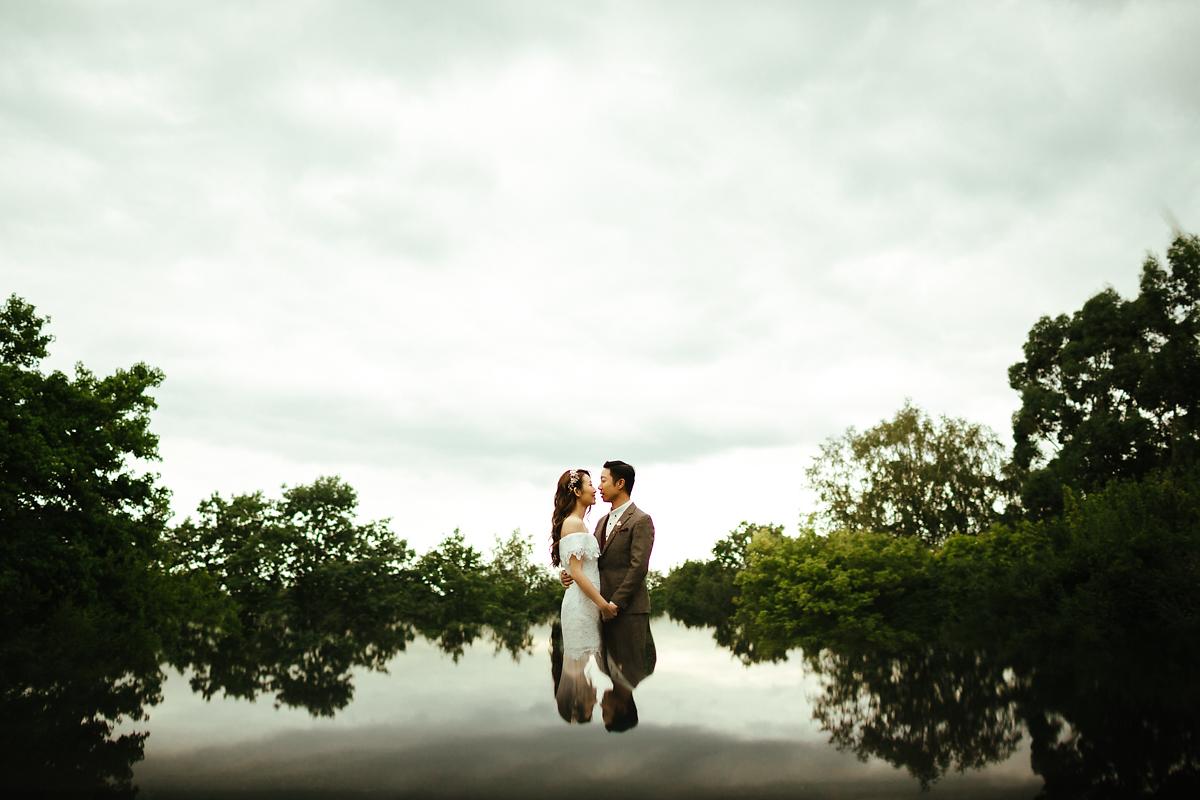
(589, 589)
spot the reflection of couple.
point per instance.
(605, 609)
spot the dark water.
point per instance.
(488, 723)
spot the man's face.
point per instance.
(608, 490)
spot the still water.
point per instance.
(487, 723)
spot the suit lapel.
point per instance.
(626, 518)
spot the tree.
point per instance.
(80, 523)
(705, 593)
(845, 589)
(83, 604)
(1113, 390)
(911, 476)
(305, 546)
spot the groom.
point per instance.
(626, 536)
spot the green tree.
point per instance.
(306, 544)
(81, 523)
(911, 476)
(84, 605)
(705, 593)
(1113, 390)
(841, 590)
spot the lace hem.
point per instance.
(578, 653)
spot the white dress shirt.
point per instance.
(614, 517)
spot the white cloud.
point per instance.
(474, 244)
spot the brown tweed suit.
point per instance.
(625, 559)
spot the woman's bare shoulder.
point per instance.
(573, 525)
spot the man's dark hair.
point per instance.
(624, 711)
(619, 470)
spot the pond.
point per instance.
(487, 723)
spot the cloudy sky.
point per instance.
(447, 250)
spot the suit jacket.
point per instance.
(625, 559)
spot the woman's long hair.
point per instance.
(564, 503)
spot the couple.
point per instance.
(606, 608)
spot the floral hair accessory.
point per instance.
(573, 480)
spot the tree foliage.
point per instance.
(305, 545)
(855, 589)
(80, 521)
(705, 593)
(84, 608)
(911, 476)
(1112, 390)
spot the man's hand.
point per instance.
(609, 611)
(565, 577)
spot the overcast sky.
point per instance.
(447, 250)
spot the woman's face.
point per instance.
(587, 493)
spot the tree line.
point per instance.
(1109, 419)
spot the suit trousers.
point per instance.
(628, 648)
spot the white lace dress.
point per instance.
(580, 617)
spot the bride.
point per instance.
(582, 605)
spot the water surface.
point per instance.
(487, 722)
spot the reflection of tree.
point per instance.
(1116, 722)
(301, 661)
(67, 683)
(927, 710)
(1126, 724)
(1108, 751)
